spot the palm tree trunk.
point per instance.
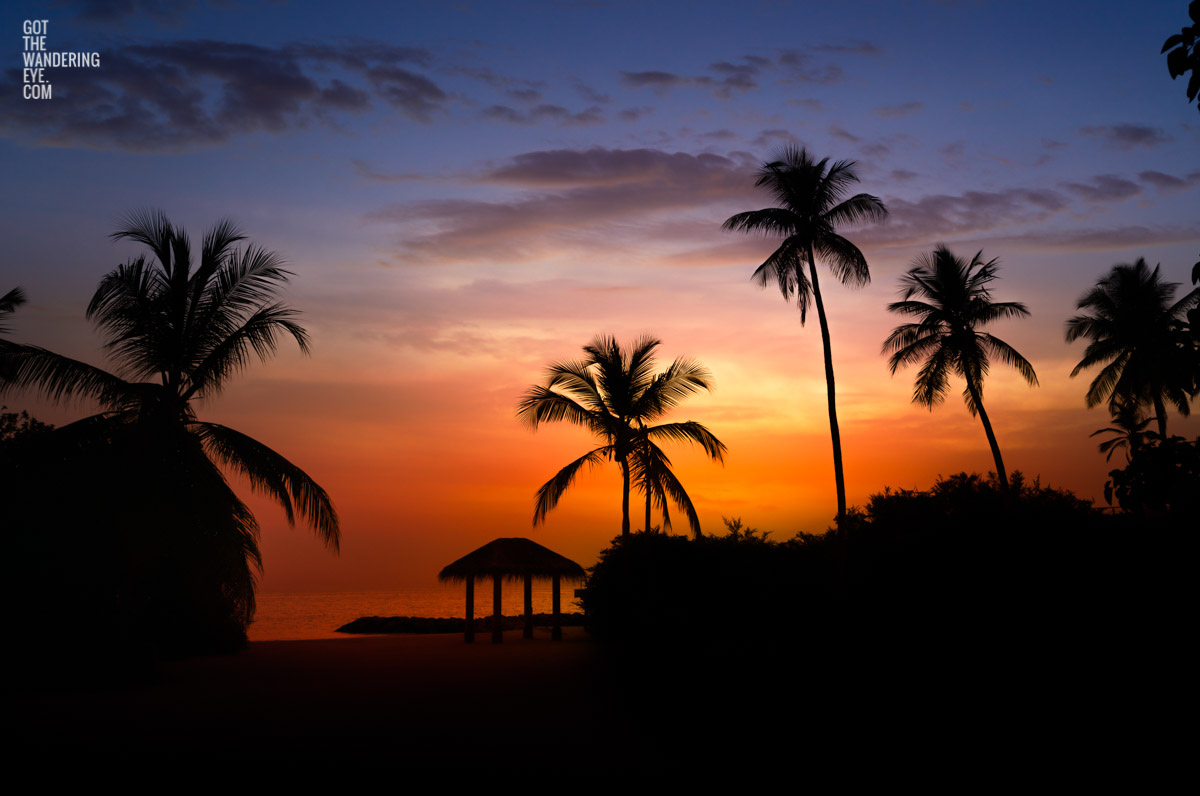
(838, 476)
(647, 507)
(1161, 411)
(624, 498)
(991, 435)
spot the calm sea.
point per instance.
(285, 616)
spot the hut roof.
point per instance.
(511, 558)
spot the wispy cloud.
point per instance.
(1104, 188)
(1127, 136)
(899, 111)
(556, 114)
(590, 201)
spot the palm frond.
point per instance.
(543, 405)
(260, 333)
(274, 475)
(857, 209)
(774, 221)
(785, 269)
(60, 378)
(1009, 356)
(844, 259)
(8, 305)
(690, 431)
(549, 493)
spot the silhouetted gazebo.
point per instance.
(511, 559)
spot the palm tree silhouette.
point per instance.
(615, 394)
(1128, 432)
(810, 208)
(954, 299)
(178, 333)
(8, 305)
(1140, 338)
(653, 477)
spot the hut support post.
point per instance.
(469, 632)
(497, 616)
(556, 629)
(528, 606)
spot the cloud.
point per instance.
(1104, 188)
(1127, 136)
(853, 48)
(903, 175)
(899, 111)
(411, 93)
(807, 104)
(1107, 238)
(942, 215)
(845, 135)
(1167, 183)
(797, 70)
(724, 134)
(590, 94)
(342, 97)
(176, 95)
(774, 137)
(728, 78)
(526, 95)
(575, 201)
(633, 114)
(368, 172)
(114, 12)
(544, 113)
(656, 80)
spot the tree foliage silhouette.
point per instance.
(615, 394)
(1140, 340)
(1128, 432)
(811, 207)
(952, 297)
(1184, 52)
(8, 305)
(178, 331)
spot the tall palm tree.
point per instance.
(178, 331)
(1140, 338)
(614, 393)
(811, 206)
(953, 299)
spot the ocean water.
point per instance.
(287, 616)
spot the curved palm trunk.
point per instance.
(1161, 410)
(1001, 473)
(838, 476)
(624, 498)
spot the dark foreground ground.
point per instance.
(431, 703)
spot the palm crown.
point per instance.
(811, 207)
(952, 298)
(616, 395)
(1139, 337)
(190, 329)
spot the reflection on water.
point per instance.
(283, 616)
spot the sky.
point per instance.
(467, 192)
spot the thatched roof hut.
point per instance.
(511, 559)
